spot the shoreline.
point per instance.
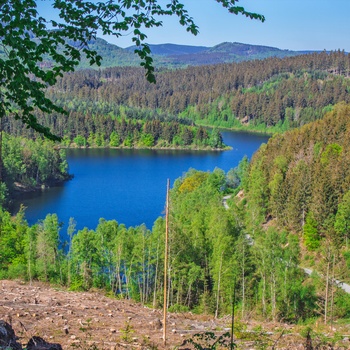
(19, 188)
(172, 148)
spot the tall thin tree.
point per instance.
(166, 261)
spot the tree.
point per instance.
(12, 244)
(342, 218)
(236, 176)
(29, 40)
(216, 140)
(47, 248)
(311, 235)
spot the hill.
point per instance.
(173, 55)
(304, 176)
(173, 49)
(113, 55)
(227, 52)
(270, 95)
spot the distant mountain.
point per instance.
(180, 56)
(173, 55)
(173, 49)
(230, 52)
(247, 50)
(113, 55)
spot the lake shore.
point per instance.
(171, 148)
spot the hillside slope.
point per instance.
(305, 173)
(91, 320)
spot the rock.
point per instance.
(37, 343)
(8, 319)
(8, 337)
(156, 324)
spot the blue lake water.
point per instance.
(128, 185)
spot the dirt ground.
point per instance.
(90, 320)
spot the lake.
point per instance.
(128, 185)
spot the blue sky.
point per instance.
(290, 24)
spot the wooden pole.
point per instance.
(166, 261)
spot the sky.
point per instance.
(289, 24)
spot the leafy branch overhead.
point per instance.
(29, 40)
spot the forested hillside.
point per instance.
(304, 176)
(178, 56)
(267, 95)
(289, 210)
(299, 183)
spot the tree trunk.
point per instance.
(218, 291)
(243, 281)
(273, 296)
(332, 293)
(263, 300)
(327, 291)
(156, 278)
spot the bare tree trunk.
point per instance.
(156, 278)
(332, 293)
(263, 300)
(327, 292)
(30, 259)
(218, 291)
(143, 286)
(117, 272)
(188, 298)
(243, 282)
(171, 282)
(127, 278)
(148, 277)
(273, 296)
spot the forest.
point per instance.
(270, 95)
(274, 94)
(289, 210)
(28, 165)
